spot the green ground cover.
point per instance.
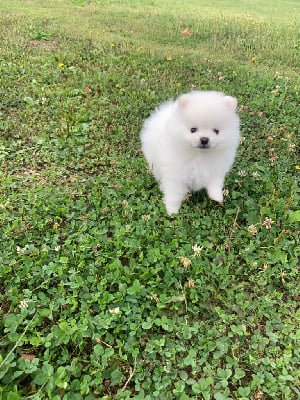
(102, 295)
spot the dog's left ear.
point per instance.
(184, 100)
(231, 102)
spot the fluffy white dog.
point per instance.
(190, 144)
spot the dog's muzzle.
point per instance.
(204, 143)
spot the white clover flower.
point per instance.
(191, 283)
(277, 89)
(265, 266)
(186, 262)
(23, 304)
(268, 223)
(252, 229)
(115, 310)
(197, 250)
(292, 147)
(155, 297)
(273, 159)
(20, 250)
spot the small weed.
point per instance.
(38, 34)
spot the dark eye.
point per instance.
(216, 131)
(193, 130)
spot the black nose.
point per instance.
(204, 140)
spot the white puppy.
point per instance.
(190, 144)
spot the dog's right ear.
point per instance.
(231, 102)
(183, 100)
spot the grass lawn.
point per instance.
(102, 295)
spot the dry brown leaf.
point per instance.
(28, 357)
(186, 32)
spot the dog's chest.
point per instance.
(197, 174)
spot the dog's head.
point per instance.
(208, 119)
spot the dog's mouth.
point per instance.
(203, 146)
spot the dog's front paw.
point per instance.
(173, 200)
(172, 209)
(172, 204)
(216, 195)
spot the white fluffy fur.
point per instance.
(184, 161)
